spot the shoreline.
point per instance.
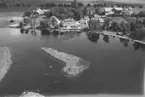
(34, 94)
(5, 61)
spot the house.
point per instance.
(86, 18)
(108, 10)
(97, 16)
(118, 8)
(70, 25)
(70, 29)
(101, 20)
(70, 22)
(40, 11)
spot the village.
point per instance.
(122, 20)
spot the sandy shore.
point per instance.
(73, 64)
(5, 61)
(33, 94)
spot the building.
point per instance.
(70, 22)
(118, 8)
(108, 10)
(70, 25)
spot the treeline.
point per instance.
(64, 13)
(73, 5)
(3, 5)
(46, 5)
(126, 26)
(118, 5)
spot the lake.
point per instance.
(117, 66)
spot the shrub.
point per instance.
(27, 21)
(44, 24)
(27, 14)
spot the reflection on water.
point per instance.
(138, 46)
(116, 68)
(106, 38)
(94, 37)
(14, 32)
(45, 32)
(27, 31)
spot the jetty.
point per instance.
(73, 65)
(119, 36)
(5, 61)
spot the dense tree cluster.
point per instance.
(131, 25)
(94, 24)
(118, 5)
(64, 13)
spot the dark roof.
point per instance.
(119, 20)
(130, 19)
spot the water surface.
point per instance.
(117, 66)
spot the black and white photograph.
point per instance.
(72, 48)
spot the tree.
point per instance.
(115, 26)
(78, 15)
(27, 14)
(44, 24)
(144, 22)
(140, 6)
(132, 26)
(100, 11)
(80, 4)
(94, 24)
(88, 5)
(74, 4)
(106, 25)
(85, 11)
(95, 5)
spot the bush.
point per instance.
(27, 14)
(44, 24)
(27, 21)
(141, 14)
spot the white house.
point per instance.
(40, 11)
(118, 8)
(70, 22)
(108, 10)
(70, 25)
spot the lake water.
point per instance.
(117, 66)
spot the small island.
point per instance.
(73, 64)
(5, 61)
